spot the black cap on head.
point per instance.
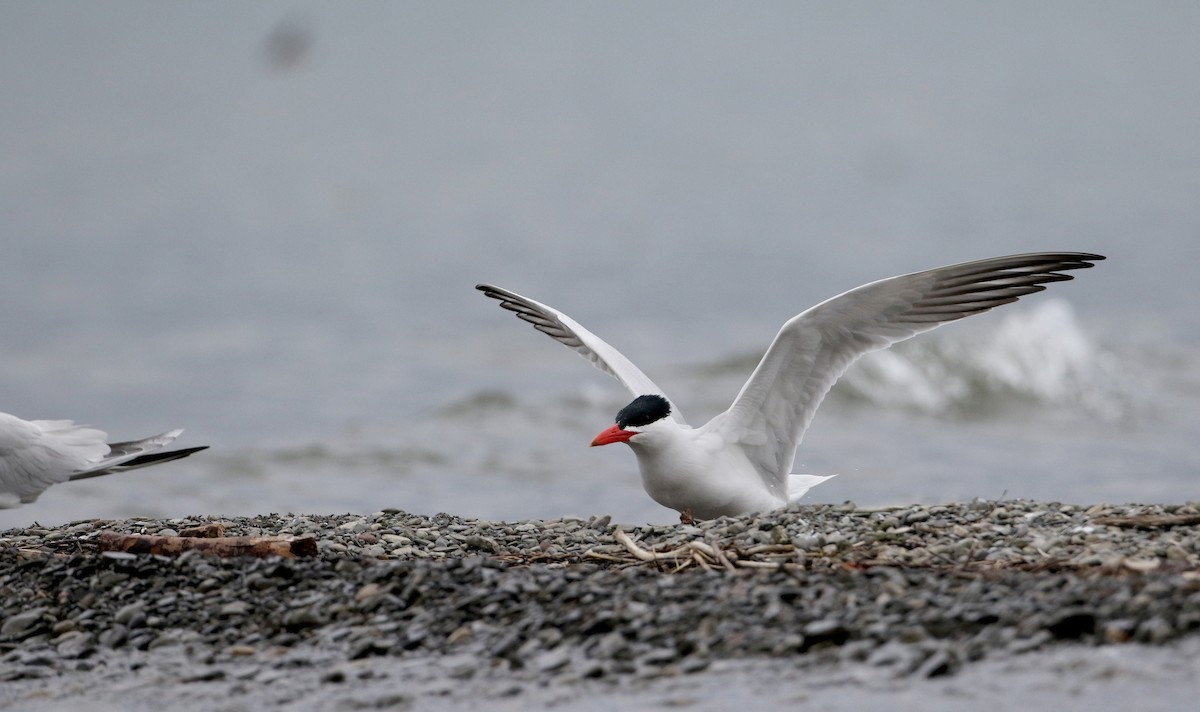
(644, 410)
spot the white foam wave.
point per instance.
(1039, 354)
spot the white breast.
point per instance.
(694, 471)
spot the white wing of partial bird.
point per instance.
(35, 454)
(812, 350)
(569, 333)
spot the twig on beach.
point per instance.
(723, 558)
(770, 549)
(593, 554)
(649, 555)
(1150, 521)
(285, 546)
(776, 565)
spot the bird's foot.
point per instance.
(685, 517)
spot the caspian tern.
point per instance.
(35, 454)
(741, 460)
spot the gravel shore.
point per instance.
(401, 610)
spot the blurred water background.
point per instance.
(262, 222)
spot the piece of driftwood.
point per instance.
(257, 546)
(1150, 521)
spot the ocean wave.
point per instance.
(1037, 356)
(1040, 355)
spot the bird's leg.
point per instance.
(685, 517)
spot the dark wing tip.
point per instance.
(1066, 256)
(507, 299)
(167, 456)
(1072, 260)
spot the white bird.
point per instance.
(741, 460)
(35, 454)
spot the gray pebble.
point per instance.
(24, 624)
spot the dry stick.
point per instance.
(769, 565)
(723, 558)
(713, 552)
(649, 555)
(1149, 521)
(285, 546)
(593, 554)
(638, 552)
(771, 549)
(703, 554)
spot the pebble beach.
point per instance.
(402, 611)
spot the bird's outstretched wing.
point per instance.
(569, 333)
(812, 350)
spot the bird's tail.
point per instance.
(798, 485)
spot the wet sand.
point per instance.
(1067, 678)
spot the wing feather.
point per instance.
(569, 333)
(813, 349)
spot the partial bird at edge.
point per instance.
(36, 454)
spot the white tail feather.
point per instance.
(799, 485)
